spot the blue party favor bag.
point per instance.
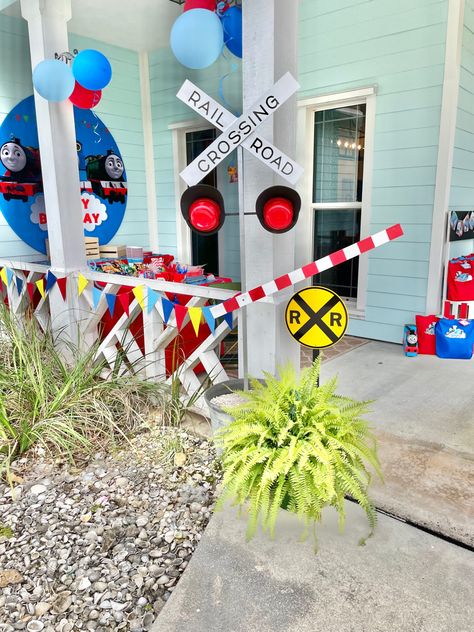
(454, 338)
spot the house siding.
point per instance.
(462, 183)
(400, 49)
(119, 109)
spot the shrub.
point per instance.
(296, 445)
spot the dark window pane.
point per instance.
(205, 249)
(334, 230)
(339, 154)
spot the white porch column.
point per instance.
(47, 28)
(270, 50)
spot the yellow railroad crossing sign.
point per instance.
(316, 317)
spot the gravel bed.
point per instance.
(228, 400)
(102, 548)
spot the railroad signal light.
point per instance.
(278, 208)
(202, 207)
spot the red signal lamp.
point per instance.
(202, 207)
(278, 208)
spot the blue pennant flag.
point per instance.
(210, 320)
(9, 275)
(19, 284)
(50, 281)
(168, 308)
(96, 294)
(153, 297)
(110, 298)
(229, 319)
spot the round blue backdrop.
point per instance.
(102, 175)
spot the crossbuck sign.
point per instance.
(240, 131)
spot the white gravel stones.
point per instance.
(228, 400)
(101, 549)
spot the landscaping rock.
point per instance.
(102, 547)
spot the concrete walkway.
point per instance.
(423, 413)
(403, 580)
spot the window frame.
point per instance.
(306, 137)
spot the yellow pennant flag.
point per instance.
(3, 276)
(195, 316)
(40, 285)
(139, 293)
(82, 283)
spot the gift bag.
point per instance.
(461, 279)
(425, 328)
(454, 338)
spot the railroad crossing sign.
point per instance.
(240, 131)
(316, 317)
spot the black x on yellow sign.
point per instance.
(316, 317)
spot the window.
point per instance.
(339, 145)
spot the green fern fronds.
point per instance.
(297, 445)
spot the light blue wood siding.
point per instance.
(166, 77)
(120, 110)
(462, 184)
(400, 48)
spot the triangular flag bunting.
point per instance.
(50, 280)
(96, 294)
(62, 285)
(41, 285)
(82, 283)
(180, 312)
(124, 300)
(229, 319)
(139, 294)
(111, 299)
(168, 308)
(9, 275)
(210, 320)
(31, 290)
(153, 297)
(195, 315)
(19, 284)
(3, 276)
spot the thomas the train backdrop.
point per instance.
(103, 180)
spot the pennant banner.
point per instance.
(139, 294)
(209, 318)
(41, 287)
(62, 285)
(50, 280)
(153, 297)
(19, 284)
(180, 313)
(96, 295)
(111, 300)
(31, 290)
(3, 276)
(124, 300)
(168, 308)
(9, 275)
(82, 283)
(195, 316)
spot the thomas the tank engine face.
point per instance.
(114, 167)
(13, 157)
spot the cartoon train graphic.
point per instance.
(22, 177)
(104, 177)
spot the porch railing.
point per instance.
(119, 347)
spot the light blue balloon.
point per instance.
(53, 80)
(197, 38)
(92, 69)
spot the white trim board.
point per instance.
(149, 155)
(444, 169)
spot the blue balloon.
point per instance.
(232, 23)
(197, 38)
(53, 80)
(92, 69)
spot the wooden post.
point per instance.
(47, 29)
(270, 47)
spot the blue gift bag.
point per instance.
(454, 338)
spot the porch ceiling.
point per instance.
(137, 25)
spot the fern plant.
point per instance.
(299, 446)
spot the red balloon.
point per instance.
(83, 98)
(200, 4)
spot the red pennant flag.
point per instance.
(31, 287)
(124, 300)
(62, 285)
(180, 312)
